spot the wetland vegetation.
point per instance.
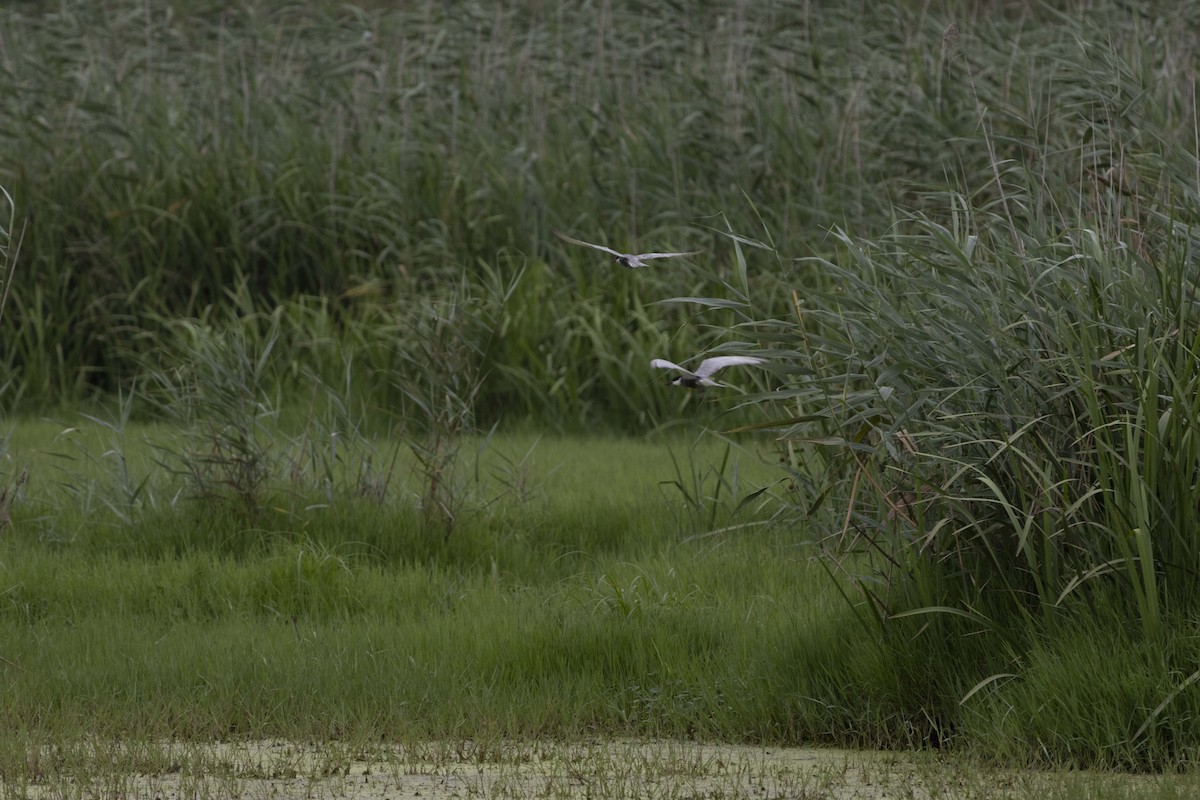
(313, 430)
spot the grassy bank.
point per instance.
(601, 597)
(628, 589)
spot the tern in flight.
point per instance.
(701, 377)
(628, 260)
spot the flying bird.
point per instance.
(701, 377)
(628, 260)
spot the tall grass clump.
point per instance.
(439, 377)
(1029, 399)
(1008, 433)
(215, 386)
(994, 399)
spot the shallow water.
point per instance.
(588, 771)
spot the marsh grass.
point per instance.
(992, 400)
(1003, 435)
(1005, 432)
(215, 388)
(964, 239)
(365, 625)
(387, 157)
(588, 607)
(10, 250)
(712, 494)
(440, 377)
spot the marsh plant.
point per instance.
(335, 454)
(10, 491)
(994, 399)
(212, 382)
(1008, 408)
(10, 251)
(438, 374)
(710, 495)
(103, 474)
(1008, 428)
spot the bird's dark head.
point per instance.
(624, 262)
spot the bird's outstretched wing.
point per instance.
(648, 256)
(566, 238)
(710, 365)
(662, 363)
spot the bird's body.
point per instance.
(702, 376)
(627, 260)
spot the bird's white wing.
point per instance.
(648, 256)
(710, 365)
(662, 363)
(564, 237)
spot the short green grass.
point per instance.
(597, 599)
(601, 600)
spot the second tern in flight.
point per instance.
(629, 260)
